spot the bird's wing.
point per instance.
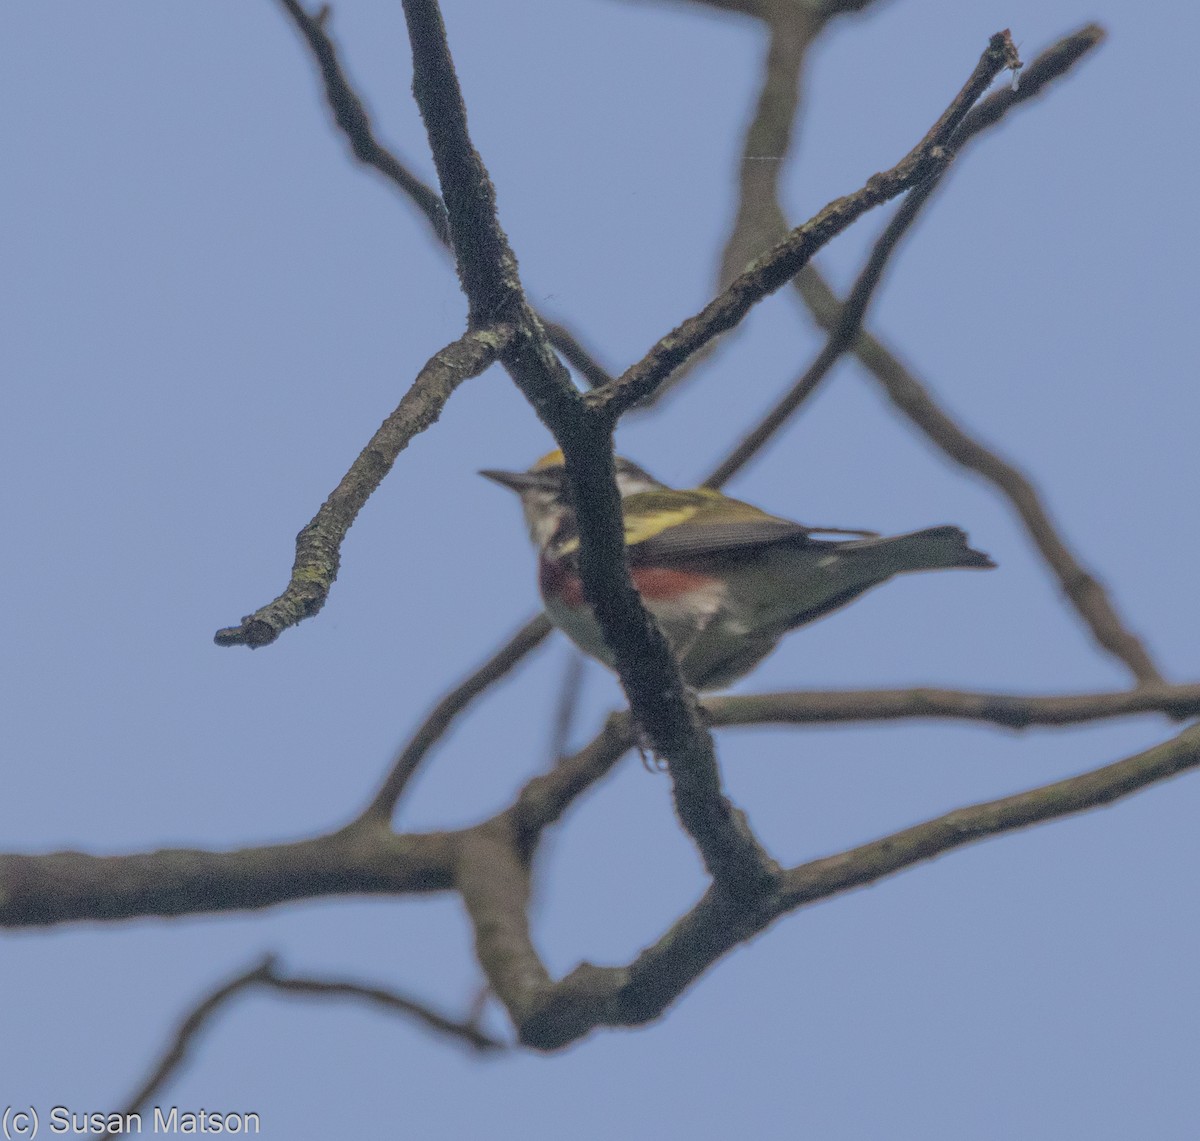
(661, 525)
(664, 526)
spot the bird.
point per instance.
(724, 580)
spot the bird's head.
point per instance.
(546, 498)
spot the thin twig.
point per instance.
(775, 268)
(447, 710)
(266, 974)
(868, 863)
(760, 220)
(465, 1030)
(566, 707)
(843, 333)
(318, 546)
(1087, 595)
(185, 1036)
(770, 136)
(352, 119)
(1012, 710)
(841, 339)
(759, 223)
(546, 797)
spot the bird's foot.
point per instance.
(651, 761)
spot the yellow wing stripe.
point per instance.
(640, 526)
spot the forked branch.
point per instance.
(266, 975)
(648, 671)
(780, 264)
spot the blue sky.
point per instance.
(209, 308)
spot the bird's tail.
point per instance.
(932, 549)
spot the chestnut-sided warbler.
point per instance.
(724, 580)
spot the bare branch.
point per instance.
(544, 798)
(1089, 598)
(64, 887)
(573, 351)
(760, 217)
(352, 119)
(1086, 594)
(447, 710)
(318, 546)
(364, 858)
(868, 863)
(841, 337)
(649, 674)
(265, 974)
(185, 1036)
(494, 881)
(368, 858)
(1014, 711)
(759, 222)
(775, 268)
(647, 669)
(566, 708)
(486, 265)
(466, 1031)
(1050, 64)
(625, 996)
(731, 853)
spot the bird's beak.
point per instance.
(520, 481)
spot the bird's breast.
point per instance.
(559, 582)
